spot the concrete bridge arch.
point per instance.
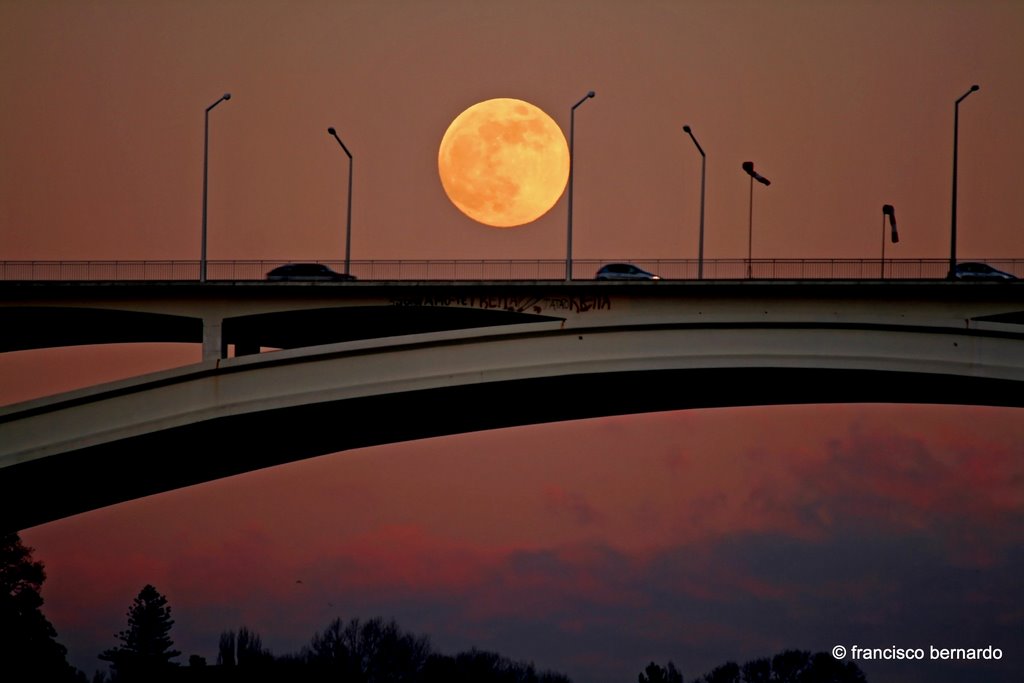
(224, 416)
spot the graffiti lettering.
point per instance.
(516, 304)
(464, 301)
(580, 304)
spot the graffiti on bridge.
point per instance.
(515, 304)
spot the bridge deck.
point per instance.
(383, 362)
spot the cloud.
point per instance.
(589, 564)
(559, 501)
(592, 610)
(737, 597)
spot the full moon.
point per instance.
(503, 162)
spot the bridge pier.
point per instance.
(214, 346)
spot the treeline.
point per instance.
(356, 651)
(789, 666)
(372, 651)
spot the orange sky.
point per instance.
(845, 108)
(594, 547)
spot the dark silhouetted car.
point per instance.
(973, 270)
(624, 271)
(307, 272)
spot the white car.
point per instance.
(624, 271)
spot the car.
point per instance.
(624, 271)
(974, 270)
(307, 272)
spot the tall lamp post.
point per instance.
(700, 240)
(206, 165)
(572, 166)
(888, 210)
(952, 230)
(348, 220)
(748, 166)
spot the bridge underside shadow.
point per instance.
(69, 483)
(32, 327)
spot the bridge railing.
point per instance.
(489, 269)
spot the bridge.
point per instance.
(506, 269)
(295, 370)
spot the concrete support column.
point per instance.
(214, 346)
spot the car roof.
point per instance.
(300, 266)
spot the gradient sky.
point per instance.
(591, 547)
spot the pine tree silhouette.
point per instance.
(146, 648)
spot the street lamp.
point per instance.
(748, 166)
(700, 241)
(572, 135)
(888, 210)
(348, 222)
(952, 230)
(206, 164)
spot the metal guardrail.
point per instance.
(461, 269)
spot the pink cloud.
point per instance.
(559, 501)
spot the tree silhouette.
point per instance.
(757, 671)
(145, 652)
(369, 652)
(788, 666)
(798, 666)
(28, 641)
(827, 669)
(244, 650)
(659, 674)
(226, 649)
(481, 666)
(727, 673)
